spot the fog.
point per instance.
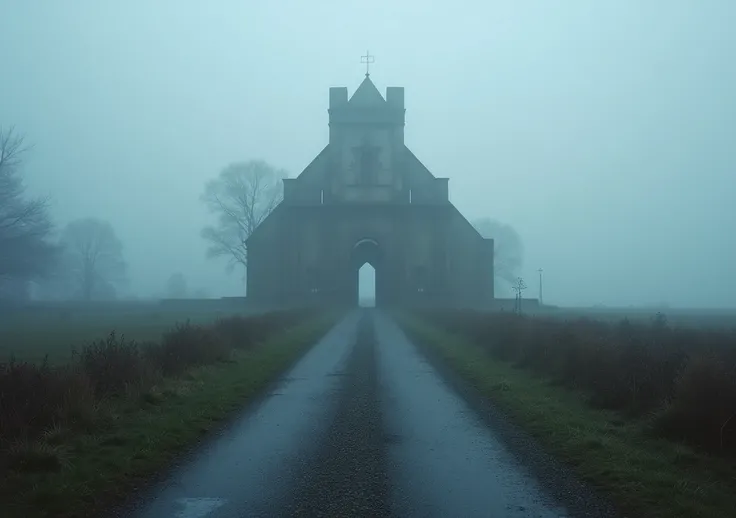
(602, 131)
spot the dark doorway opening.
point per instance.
(366, 272)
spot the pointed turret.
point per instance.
(367, 94)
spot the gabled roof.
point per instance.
(315, 163)
(415, 165)
(367, 94)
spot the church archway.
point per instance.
(366, 253)
(367, 286)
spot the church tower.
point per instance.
(366, 144)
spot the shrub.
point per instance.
(236, 332)
(186, 346)
(704, 404)
(35, 397)
(111, 365)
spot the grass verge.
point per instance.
(73, 474)
(643, 475)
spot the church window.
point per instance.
(366, 158)
(322, 197)
(409, 195)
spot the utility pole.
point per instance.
(518, 287)
(541, 301)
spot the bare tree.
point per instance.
(508, 250)
(241, 197)
(94, 257)
(25, 225)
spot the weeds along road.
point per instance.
(363, 425)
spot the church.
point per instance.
(366, 198)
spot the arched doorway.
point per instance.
(366, 270)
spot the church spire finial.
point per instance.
(367, 60)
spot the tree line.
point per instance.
(85, 260)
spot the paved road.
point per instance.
(361, 426)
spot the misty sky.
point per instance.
(603, 131)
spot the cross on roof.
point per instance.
(367, 60)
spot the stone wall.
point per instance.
(428, 253)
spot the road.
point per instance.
(363, 425)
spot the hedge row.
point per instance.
(35, 398)
(683, 379)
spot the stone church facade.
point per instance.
(367, 198)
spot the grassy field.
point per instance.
(78, 436)
(32, 333)
(616, 446)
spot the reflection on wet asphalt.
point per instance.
(362, 425)
(253, 465)
(444, 461)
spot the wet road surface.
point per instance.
(362, 425)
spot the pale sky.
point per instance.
(603, 131)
